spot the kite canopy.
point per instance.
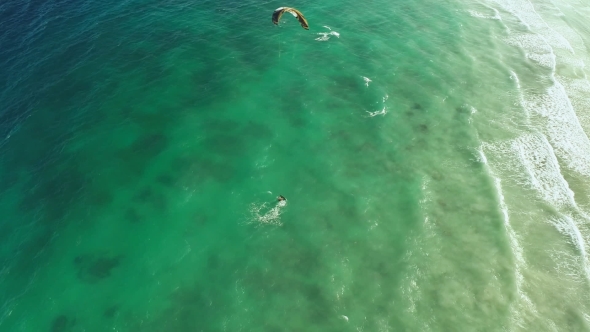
(276, 16)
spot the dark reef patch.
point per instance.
(56, 194)
(190, 307)
(463, 109)
(213, 261)
(166, 180)
(111, 311)
(153, 198)
(100, 197)
(139, 155)
(201, 219)
(132, 216)
(62, 323)
(149, 145)
(256, 130)
(199, 169)
(30, 254)
(151, 122)
(93, 268)
(224, 144)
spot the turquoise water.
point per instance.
(434, 158)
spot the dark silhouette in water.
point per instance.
(135, 158)
(62, 324)
(281, 198)
(93, 268)
(132, 216)
(111, 311)
(165, 180)
(152, 198)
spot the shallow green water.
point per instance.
(433, 156)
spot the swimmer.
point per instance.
(281, 198)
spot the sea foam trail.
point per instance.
(578, 92)
(528, 162)
(563, 145)
(532, 156)
(523, 302)
(528, 16)
(545, 46)
(562, 127)
(566, 225)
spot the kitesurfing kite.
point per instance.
(276, 16)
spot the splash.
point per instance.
(477, 14)
(381, 112)
(265, 215)
(325, 36)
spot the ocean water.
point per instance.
(434, 156)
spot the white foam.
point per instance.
(270, 217)
(559, 122)
(563, 128)
(526, 13)
(578, 91)
(367, 80)
(546, 45)
(545, 60)
(534, 154)
(517, 250)
(535, 48)
(325, 36)
(566, 225)
(477, 14)
(514, 77)
(567, 266)
(482, 157)
(381, 112)
(472, 110)
(558, 141)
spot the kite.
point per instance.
(276, 16)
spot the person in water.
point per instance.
(281, 198)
